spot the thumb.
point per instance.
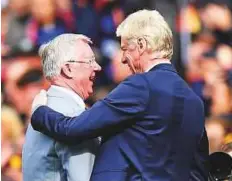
(43, 92)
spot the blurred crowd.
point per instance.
(208, 64)
(202, 33)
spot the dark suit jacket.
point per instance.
(152, 126)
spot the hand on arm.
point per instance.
(39, 100)
(127, 101)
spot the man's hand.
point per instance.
(39, 100)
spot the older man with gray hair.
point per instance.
(69, 64)
(152, 123)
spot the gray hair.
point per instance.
(58, 51)
(150, 25)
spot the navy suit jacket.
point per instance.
(152, 125)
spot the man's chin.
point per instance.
(132, 71)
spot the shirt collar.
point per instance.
(71, 93)
(161, 62)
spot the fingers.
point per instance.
(44, 92)
(39, 100)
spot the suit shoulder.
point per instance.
(66, 106)
(133, 86)
(136, 79)
(136, 82)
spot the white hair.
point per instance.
(150, 25)
(58, 51)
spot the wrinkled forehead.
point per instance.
(84, 50)
(127, 43)
(124, 41)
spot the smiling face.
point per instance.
(131, 55)
(83, 70)
(150, 37)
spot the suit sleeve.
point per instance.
(125, 103)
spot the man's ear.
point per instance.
(142, 45)
(66, 70)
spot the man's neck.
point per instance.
(154, 62)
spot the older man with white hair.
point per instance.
(69, 64)
(152, 123)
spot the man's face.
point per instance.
(84, 70)
(131, 55)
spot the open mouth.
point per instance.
(92, 78)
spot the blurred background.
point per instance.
(203, 57)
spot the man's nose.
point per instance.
(97, 67)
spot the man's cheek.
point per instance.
(128, 57)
